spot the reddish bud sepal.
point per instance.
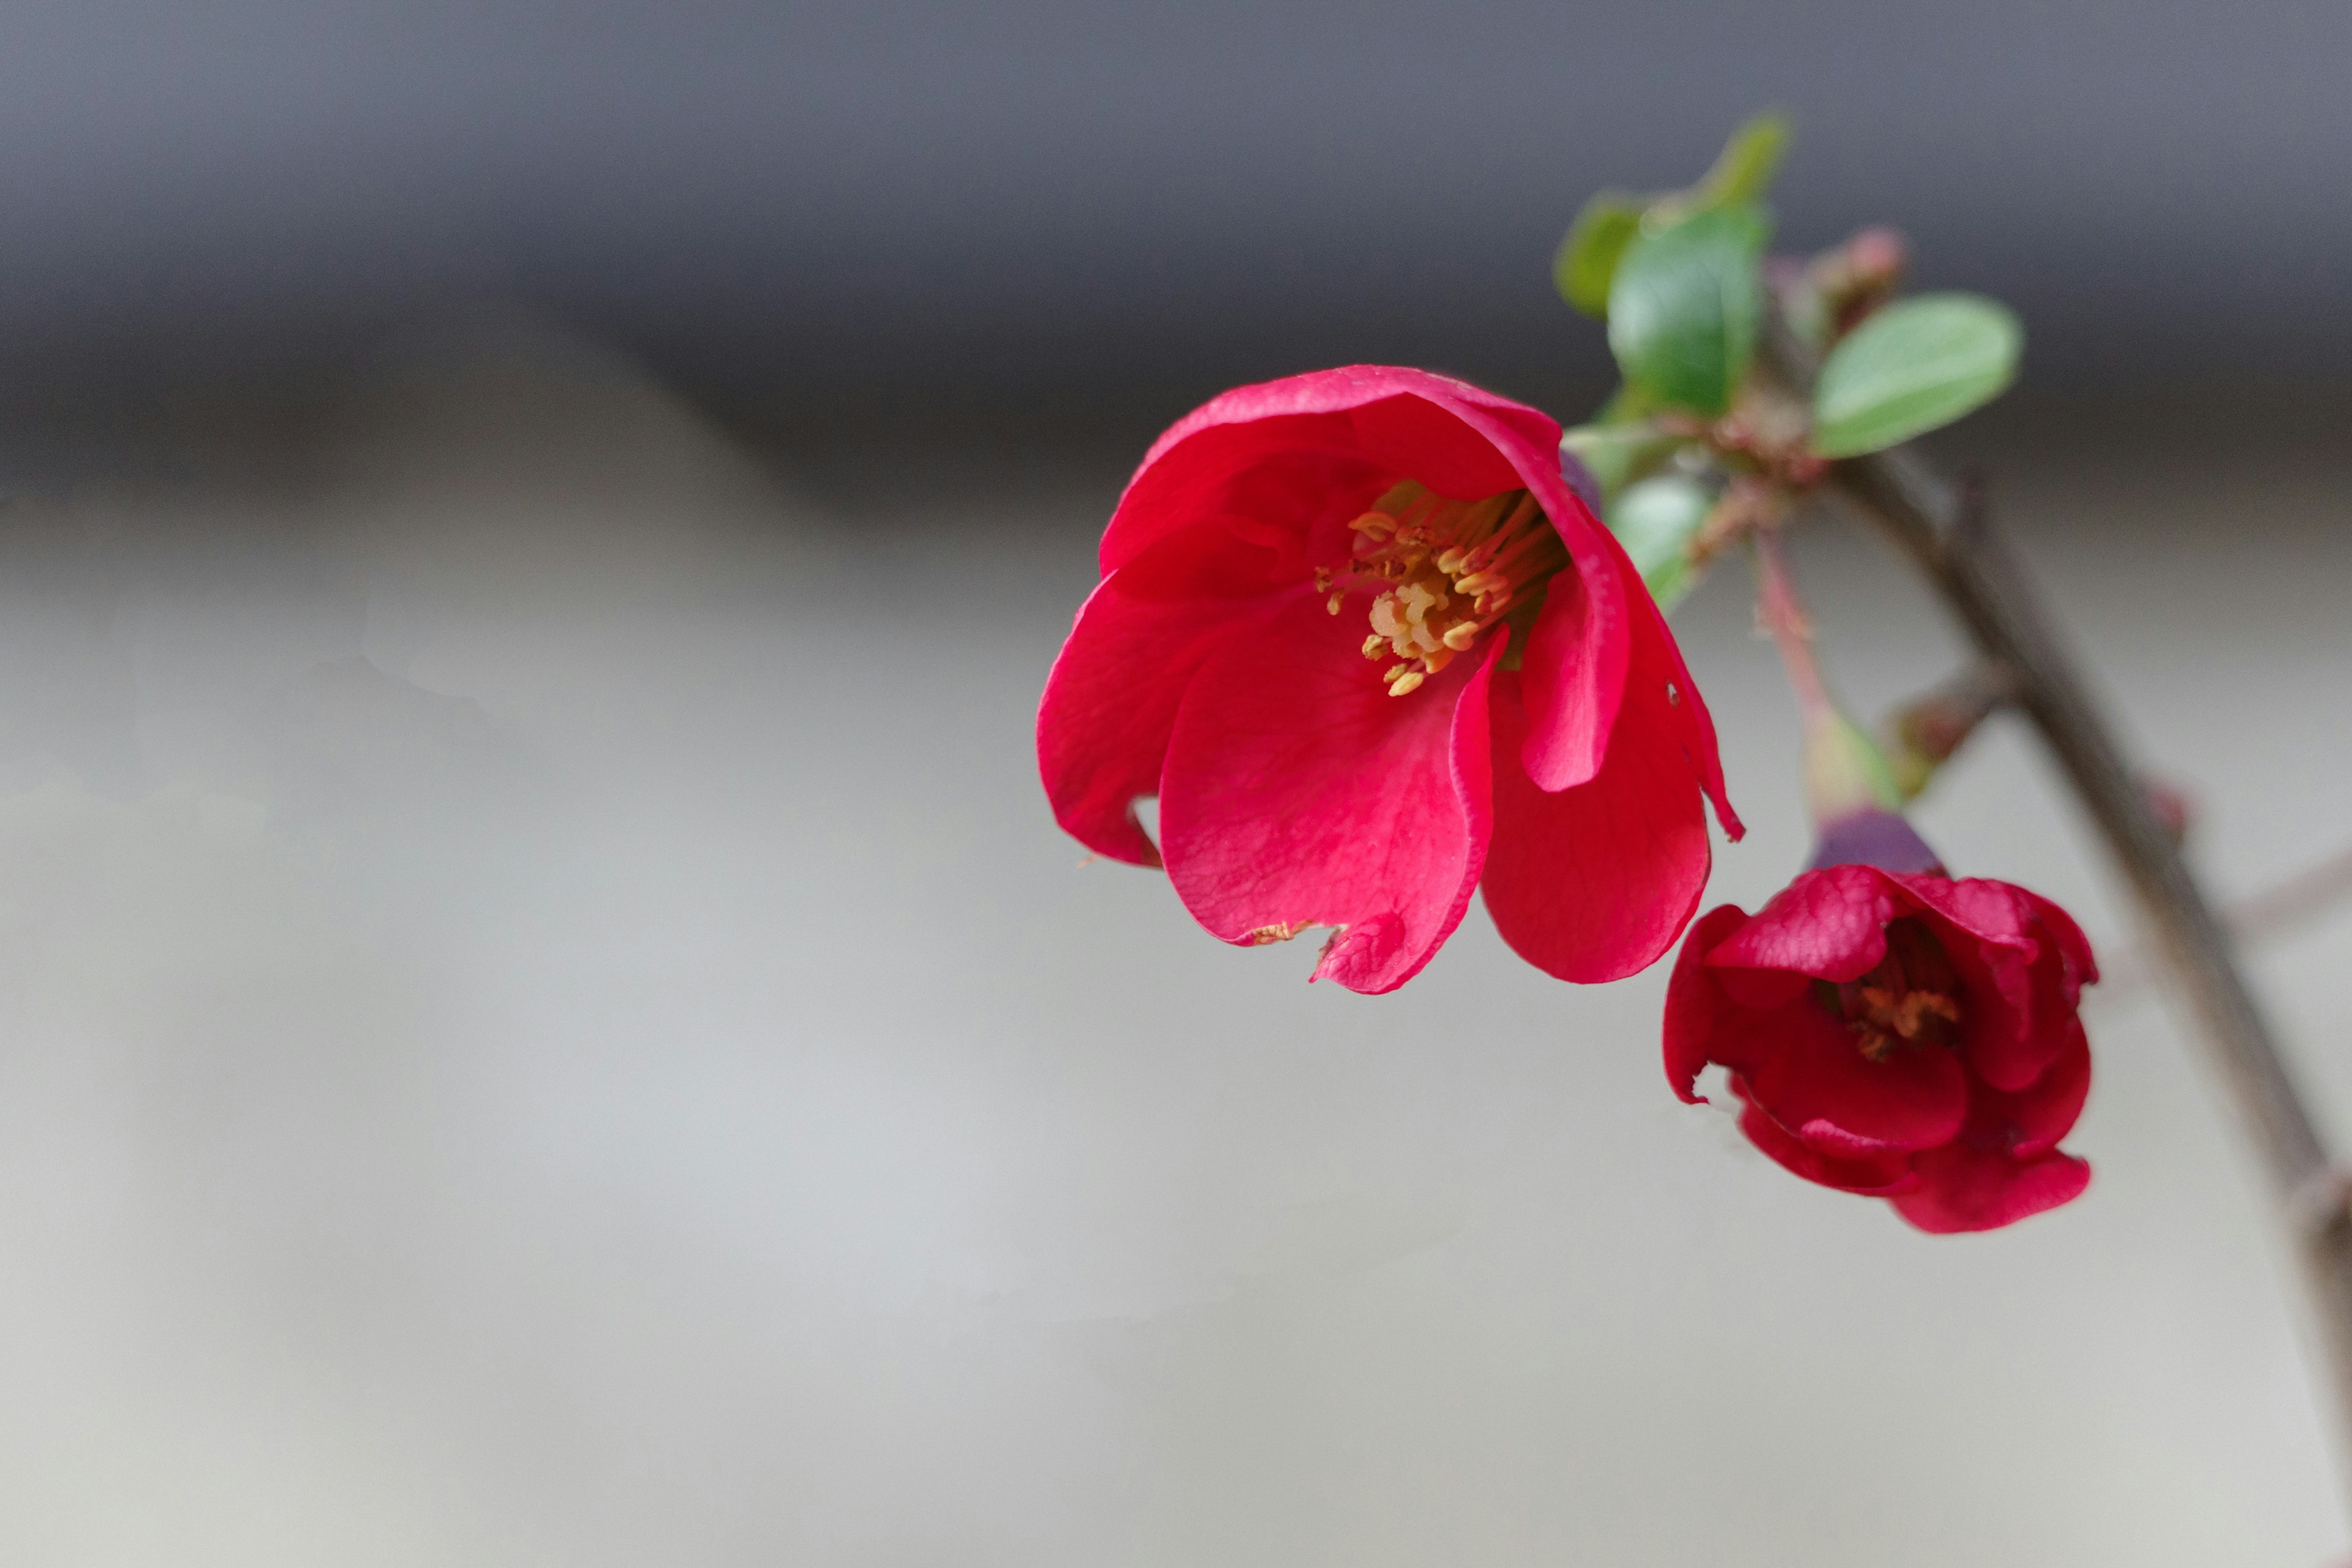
(1896, 1032)
(1370, 648)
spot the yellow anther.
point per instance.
(1439, 573)
(1334, 601)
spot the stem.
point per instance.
(1783, 614)
(1944, 532)
(1845, 776)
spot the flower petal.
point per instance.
(1963, 1189)
(1695, 1010)
(1310, 451)
(1830, 924)
(1110, 702)
(1878, 1175)
(1297, 791)
(1595, 882)
(2031, 1121)
(1599, 647)
(2010, 970)
(1806, 1069)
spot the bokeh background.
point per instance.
(546, 1021)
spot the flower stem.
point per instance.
(1944, 531)
(1845, 773)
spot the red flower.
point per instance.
(1895, 1033)
(1365, 644)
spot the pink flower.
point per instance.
(1893, 1032)
(1364, 642)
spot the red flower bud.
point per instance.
(1894, 1032)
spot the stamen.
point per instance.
(1440, 573)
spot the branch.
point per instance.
(2277, 911)
(1946, 534)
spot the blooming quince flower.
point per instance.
(1894, 1032)
(1365, 642)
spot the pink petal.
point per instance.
(1299, 793)
(1964, 1189)
(1695, 1011)
(1110, 702)
(1595, 882)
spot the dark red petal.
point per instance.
(1880, 1175)
(1807, 1069)
(2013, 1026)
(1964, 1189)
(2074, 948)
(1991, 911)
(1110, 702)
(1830, 924)
(1593, 883)
(1299, 793)
(1695, 1011)
(2031, 1121)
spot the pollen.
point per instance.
(1910, 998)
(1440, 573)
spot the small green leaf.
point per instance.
(1684, 306)
(1655, 521)
(1743, 172)
(1916, 364)
(1588, 257)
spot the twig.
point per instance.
(1947, 535)
(2275, 912)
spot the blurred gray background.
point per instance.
(547, 1022)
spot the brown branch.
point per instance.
(2280, 910)
(1946, 534)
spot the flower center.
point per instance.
(1442, 571)
(1910, 998)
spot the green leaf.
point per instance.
(1655, 521)
(1743, 172)
(1916, 364)
(1588, 257)
(1684, 306)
